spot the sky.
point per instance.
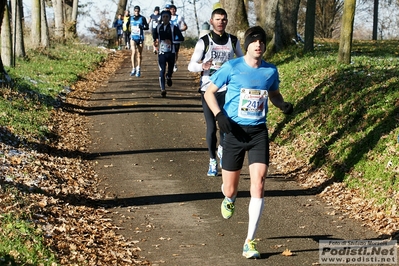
(204, 9)
(184, 8)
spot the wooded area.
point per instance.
(281, 19)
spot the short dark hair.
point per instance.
(219, 11)
(166, 12)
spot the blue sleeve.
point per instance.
(222, 76)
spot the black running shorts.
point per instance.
(242, 139)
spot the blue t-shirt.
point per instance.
(246, 101)
(136, 28)
(118, 25)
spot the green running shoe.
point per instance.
(227, 208)
(249, 250)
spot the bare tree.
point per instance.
(260, 7)
(45, 35)
(280, 18)
(121, 8)
(237, 15)
(328, 15)
(19, 45)
(6, 38)
(101, 28)
(75, 11)
(70, 8)
(345, 41)
(196, 16)
(36, 24)
(58, 19)
(375, 19)
(310, 25)
(3, 72)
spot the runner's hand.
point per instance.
(288, 108)
(207, 65)
(223, 122)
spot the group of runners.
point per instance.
(235, 89)
(166, 30)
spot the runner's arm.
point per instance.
(156, 36)
(210, 99)
(277, 99)
(183, 25)
(145, 24)
(195, 64)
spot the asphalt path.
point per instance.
(152, 157)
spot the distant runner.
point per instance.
(138, 24)
(154, 20)
(166, 36)
(181, 24)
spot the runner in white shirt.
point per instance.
(179, 22)
(210, 53)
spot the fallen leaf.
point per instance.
(287, 252)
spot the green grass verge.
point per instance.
(22, 243)
(24, 111)
(346, 115)
(38, 80)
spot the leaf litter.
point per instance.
(57, 185)
(53, 182)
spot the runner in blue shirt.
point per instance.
(138, 24)
(118, 25)
(251, 82)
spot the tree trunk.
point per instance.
(121, 8)
(196, 17)
(281, 23)
(3, 72)
(260, 7)
(19, 32)
(36, 25)
(58, 19)
(329, 12)
(375, 19)
(345, 41)
(237, 16)
(69, 19)
(75, 10)
(45, 35)
(310, 25)
(6, 39)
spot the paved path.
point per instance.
(152, 154)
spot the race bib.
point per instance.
(166, 46)
(136, 30)
(252, 103)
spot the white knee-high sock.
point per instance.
(255, 210)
